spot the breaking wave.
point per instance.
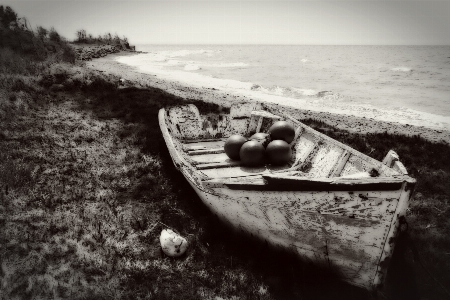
(229, 65)
(401, 69)
(192, 67)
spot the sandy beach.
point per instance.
(134, 77)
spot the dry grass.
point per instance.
(86, 179)
(80, 205)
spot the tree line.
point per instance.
(108, 38)
(17, 35)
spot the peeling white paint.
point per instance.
(344, 223)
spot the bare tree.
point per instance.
(81, 34)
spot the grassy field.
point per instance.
(87, 185)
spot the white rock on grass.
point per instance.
(172, 244)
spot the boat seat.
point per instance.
(258, 117)
(265, 114)
(193, 146)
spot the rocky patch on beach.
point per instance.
(88, 52)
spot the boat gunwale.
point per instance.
(278, 182)
(334, 142)
(195, 167)
(206, 184)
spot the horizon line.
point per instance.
(266, 44)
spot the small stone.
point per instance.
(172, 244)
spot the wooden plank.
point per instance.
(209, 158)
(304, 147)
(388, 248)
(242, 172)
(337, 180)
(199, 140)
(324, 160)
(265, 114)
(278, 185)
(299, 165)
(193, 147)
(203, 145)
(340, 164)
(298, 133)
(258, 127)
(226, 164)
(221, 182)
(206, 151)
(390, 158)
(399, 167)
(294, 183)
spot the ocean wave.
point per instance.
(229, 65)
(192, 67)
(172, 62)
(185, 52)
(287, 91)
(401, 69)
(297, 93)
(162, 56)
(305, 92)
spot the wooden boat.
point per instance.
(330, 204)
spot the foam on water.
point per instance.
(173, 62)
(183, 52)
(306, 92)
(229, 65)
(401, 69)
(192, 67)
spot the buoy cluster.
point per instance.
(273, 147)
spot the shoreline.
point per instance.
(90, 184)
(351, 123)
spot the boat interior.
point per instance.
(200, 140)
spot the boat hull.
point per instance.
(350, 246)
(346, 224)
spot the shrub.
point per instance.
(106, 39)
(54, 36)
(23, 51)
(68, 55)
(42, 32)
(7, 15)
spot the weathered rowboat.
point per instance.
(330, 204)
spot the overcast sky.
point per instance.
(248, 22)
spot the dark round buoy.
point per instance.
(261, 137)
(282, 130)
(252, 153)
(278, 152)
(233, 146)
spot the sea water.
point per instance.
(406, 84)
